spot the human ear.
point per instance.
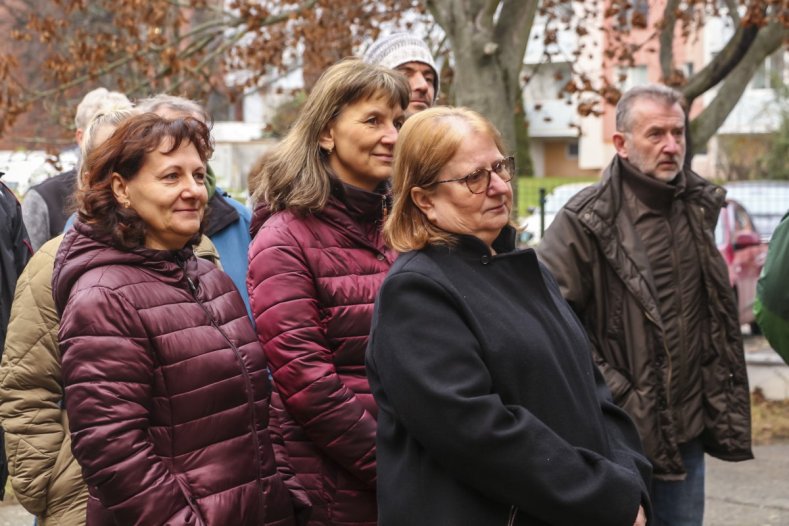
(326, 140)
(620, 144)
(120, 190)
(423, 199)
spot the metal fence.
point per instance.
(765, 202)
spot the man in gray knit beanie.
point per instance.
(411, 56)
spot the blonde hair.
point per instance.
(427, 142)
(296, 174)
(99, 100)
(98, 122)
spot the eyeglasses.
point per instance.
(478, 181)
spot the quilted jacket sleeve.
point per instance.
(30, 380)
(301, 502)
(108, 376)
(288, 321)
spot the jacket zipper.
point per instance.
(247, 383)
(668, 356)
(682, 323)
(511, 517)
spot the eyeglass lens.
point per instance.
(478, 181)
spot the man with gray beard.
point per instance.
(635, 257)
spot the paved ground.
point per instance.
(766, 370)
(754, 493)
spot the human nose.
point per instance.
(497, 184)
(193, 188)
(672, 145)
(419, 83)
(390, 135)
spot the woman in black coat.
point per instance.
(491, 410)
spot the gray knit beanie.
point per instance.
(399, 48)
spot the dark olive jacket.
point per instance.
(592, 250)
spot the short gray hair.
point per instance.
(655, 92)
(99, 100)
(174, 103)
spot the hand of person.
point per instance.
(641, 518)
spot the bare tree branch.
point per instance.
(731, 5)
(666, 38)
(719, 67)
(704, 126)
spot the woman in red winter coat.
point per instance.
(315, 266)
(166, 388)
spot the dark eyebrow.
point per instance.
(654, 128)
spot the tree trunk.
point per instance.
(488, 40)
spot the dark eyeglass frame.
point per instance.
(504, 168)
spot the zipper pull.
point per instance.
(384, 209)
(191, 284)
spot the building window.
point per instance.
(632, 77)
(572, 150)
(770, 74)
(635, 14)
(546, 81)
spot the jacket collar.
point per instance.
(220, 214)
(599, 211)
(654, 193)
(348, 206)
(472, 247)
(84, 249)
(358, 212)
(361, 205)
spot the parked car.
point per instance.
(744, 251)
(531, 233)
(766, 201)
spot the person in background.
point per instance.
(228, 220)
(772, 292)
(316, 262)
(46, 479)
(166, 389)
(635, 256)
(410, 56)
(48, 205)
(15, 251)
(491, 408)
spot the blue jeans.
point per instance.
(681, 503)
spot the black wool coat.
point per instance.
(491, 409)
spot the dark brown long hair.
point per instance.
(124, 153)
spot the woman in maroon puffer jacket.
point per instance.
(315, 267)
(166, 389)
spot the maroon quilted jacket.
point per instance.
(166, 390)
(312, 284)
